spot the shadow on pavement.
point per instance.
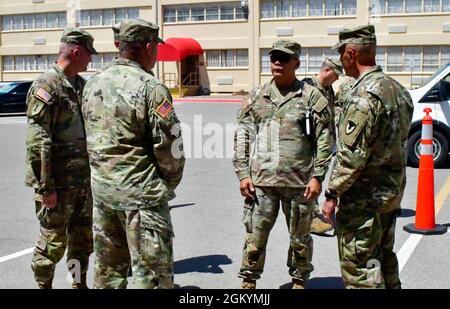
(320, 283)
(187, 287)
(202, 264)
(406, 213)
(181, 205)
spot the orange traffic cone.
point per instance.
(425, 215)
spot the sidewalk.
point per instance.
(210, 99)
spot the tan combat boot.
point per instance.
(249, 284)
(298, 284)
(46, 286)
(319, 227)
(82, 285)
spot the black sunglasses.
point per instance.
(280, 57)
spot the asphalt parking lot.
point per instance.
(206, 217)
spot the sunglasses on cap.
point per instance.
(280, 57)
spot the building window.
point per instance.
(395, 7)
(301, 8)
(212, 13)
(100, 60)
(267, 9)
(348, 7)
(395, 59)
(28, 63)
(413, 6)
(170, 15)
(445, 55)
(227, 58)
(202, 12)
(34, 21)
(430, 58)
(107, 17)
(432, 5)
(315, 8)
(198, 13)
(265, 61)
(381, 57)
(315, 59)
(226, 12)
(8, 63)
(446, 5)
(413, 56)
(409, 6)
(283, 9)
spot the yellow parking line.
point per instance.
(442, 195)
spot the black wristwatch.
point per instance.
(330, 195)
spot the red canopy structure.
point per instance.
(176, 49)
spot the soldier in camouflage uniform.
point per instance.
(369, 174)
(136, 158)
(289, 123)
(57, 162)
(342, 91)
(329, 73)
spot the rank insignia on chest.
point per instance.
(164, 109)
(351, 126)
(43, 95)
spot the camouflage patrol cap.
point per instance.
(287, 46)
(360, 35)
(137, 30)
(335, 65)
(79, 36)
(116, 29)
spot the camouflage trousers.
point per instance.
(259, 220)
(366, 242)
(140, 237)
(69, 225)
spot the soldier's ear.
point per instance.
(297, 63)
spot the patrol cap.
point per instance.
(138, 30)
(287, 46)
(360, 35)
(79, 36)
(335, 65)
(116, 29)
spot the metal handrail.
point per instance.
(170, 79)
(192, 79)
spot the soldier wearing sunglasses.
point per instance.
(283, 146)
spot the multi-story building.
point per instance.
(31, 30)
(413, 35)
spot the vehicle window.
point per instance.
(433, 95)
(445, 87)
(23, 88)
(436, 73)
(7, 88)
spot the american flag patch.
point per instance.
(164, 109)
(43, 95)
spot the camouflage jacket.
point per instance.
(343, 89)
(373, 132)
(292, 139)
(56, 141)
(328, 93)
(133, 137)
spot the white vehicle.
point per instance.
(435, 94)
